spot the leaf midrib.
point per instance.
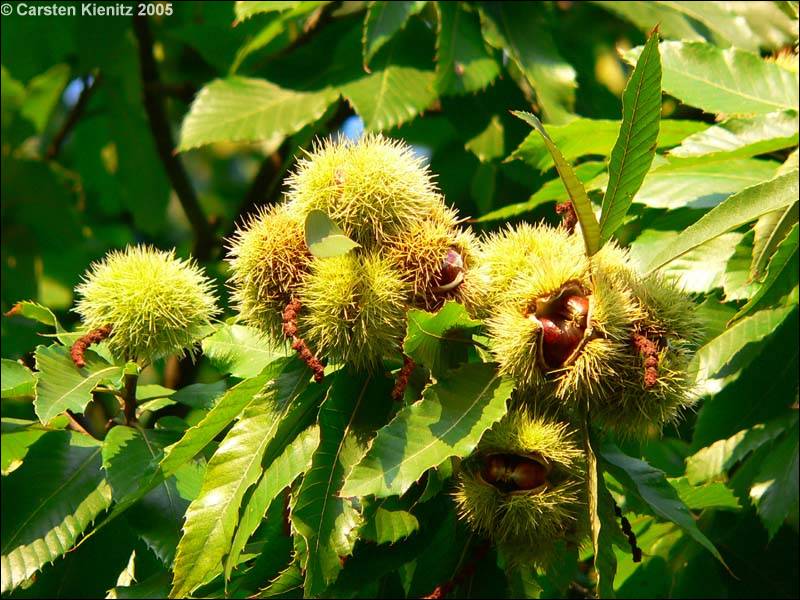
(336, 459)
(92, 379)
(735, 92)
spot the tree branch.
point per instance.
(89, 85)
(159, 126)
(129, 398)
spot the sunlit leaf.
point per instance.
(327, 520)
(240, 350)
(635, 147)
(731, 81)
(17, 380)
(63, 386)
(239, 109)
(439, 341)
(325, 238)
(718, 458)
(590, 228)
(448, 421)
(212, 517)
(513, 28)
(741, 208)
(775, 488)
(652, 486)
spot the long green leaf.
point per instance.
(464, 64)
(327, 520)
(439, 341)
(770, 230)
(245, 10)
(17, 380)
(215, 421)
(605, 560)
(239, 109)
(131, 455)
(712, 358)
(400, 85)
(61, 385)
(584, 137)
(590, 228)
(382, 21)
(49, 502)
(212, 517)
(781, 277)
(605, 579)
(741, 208)
(294, 461)
(448, 421)
(240, 350)
(714, 460)
(652, 487)
(676, 185)
(514, 29)
(197, 437)
(731, 81)
(775, 488)
(388, 520)
(700, 497)
(636, 145)
(739, 138)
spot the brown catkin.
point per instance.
(402, 378)
(649, 351)
(569, 217)
(82, 344)
(628, 531)
(298, 344)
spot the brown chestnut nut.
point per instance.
(451, 274)
(529, 475)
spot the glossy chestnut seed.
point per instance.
(451, 274)
(495, 469)
(577, 307)
(511, 473)
(564, 323)
(529, 475)
(551, 332)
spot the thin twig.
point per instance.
(160, 128)
(89, 86)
